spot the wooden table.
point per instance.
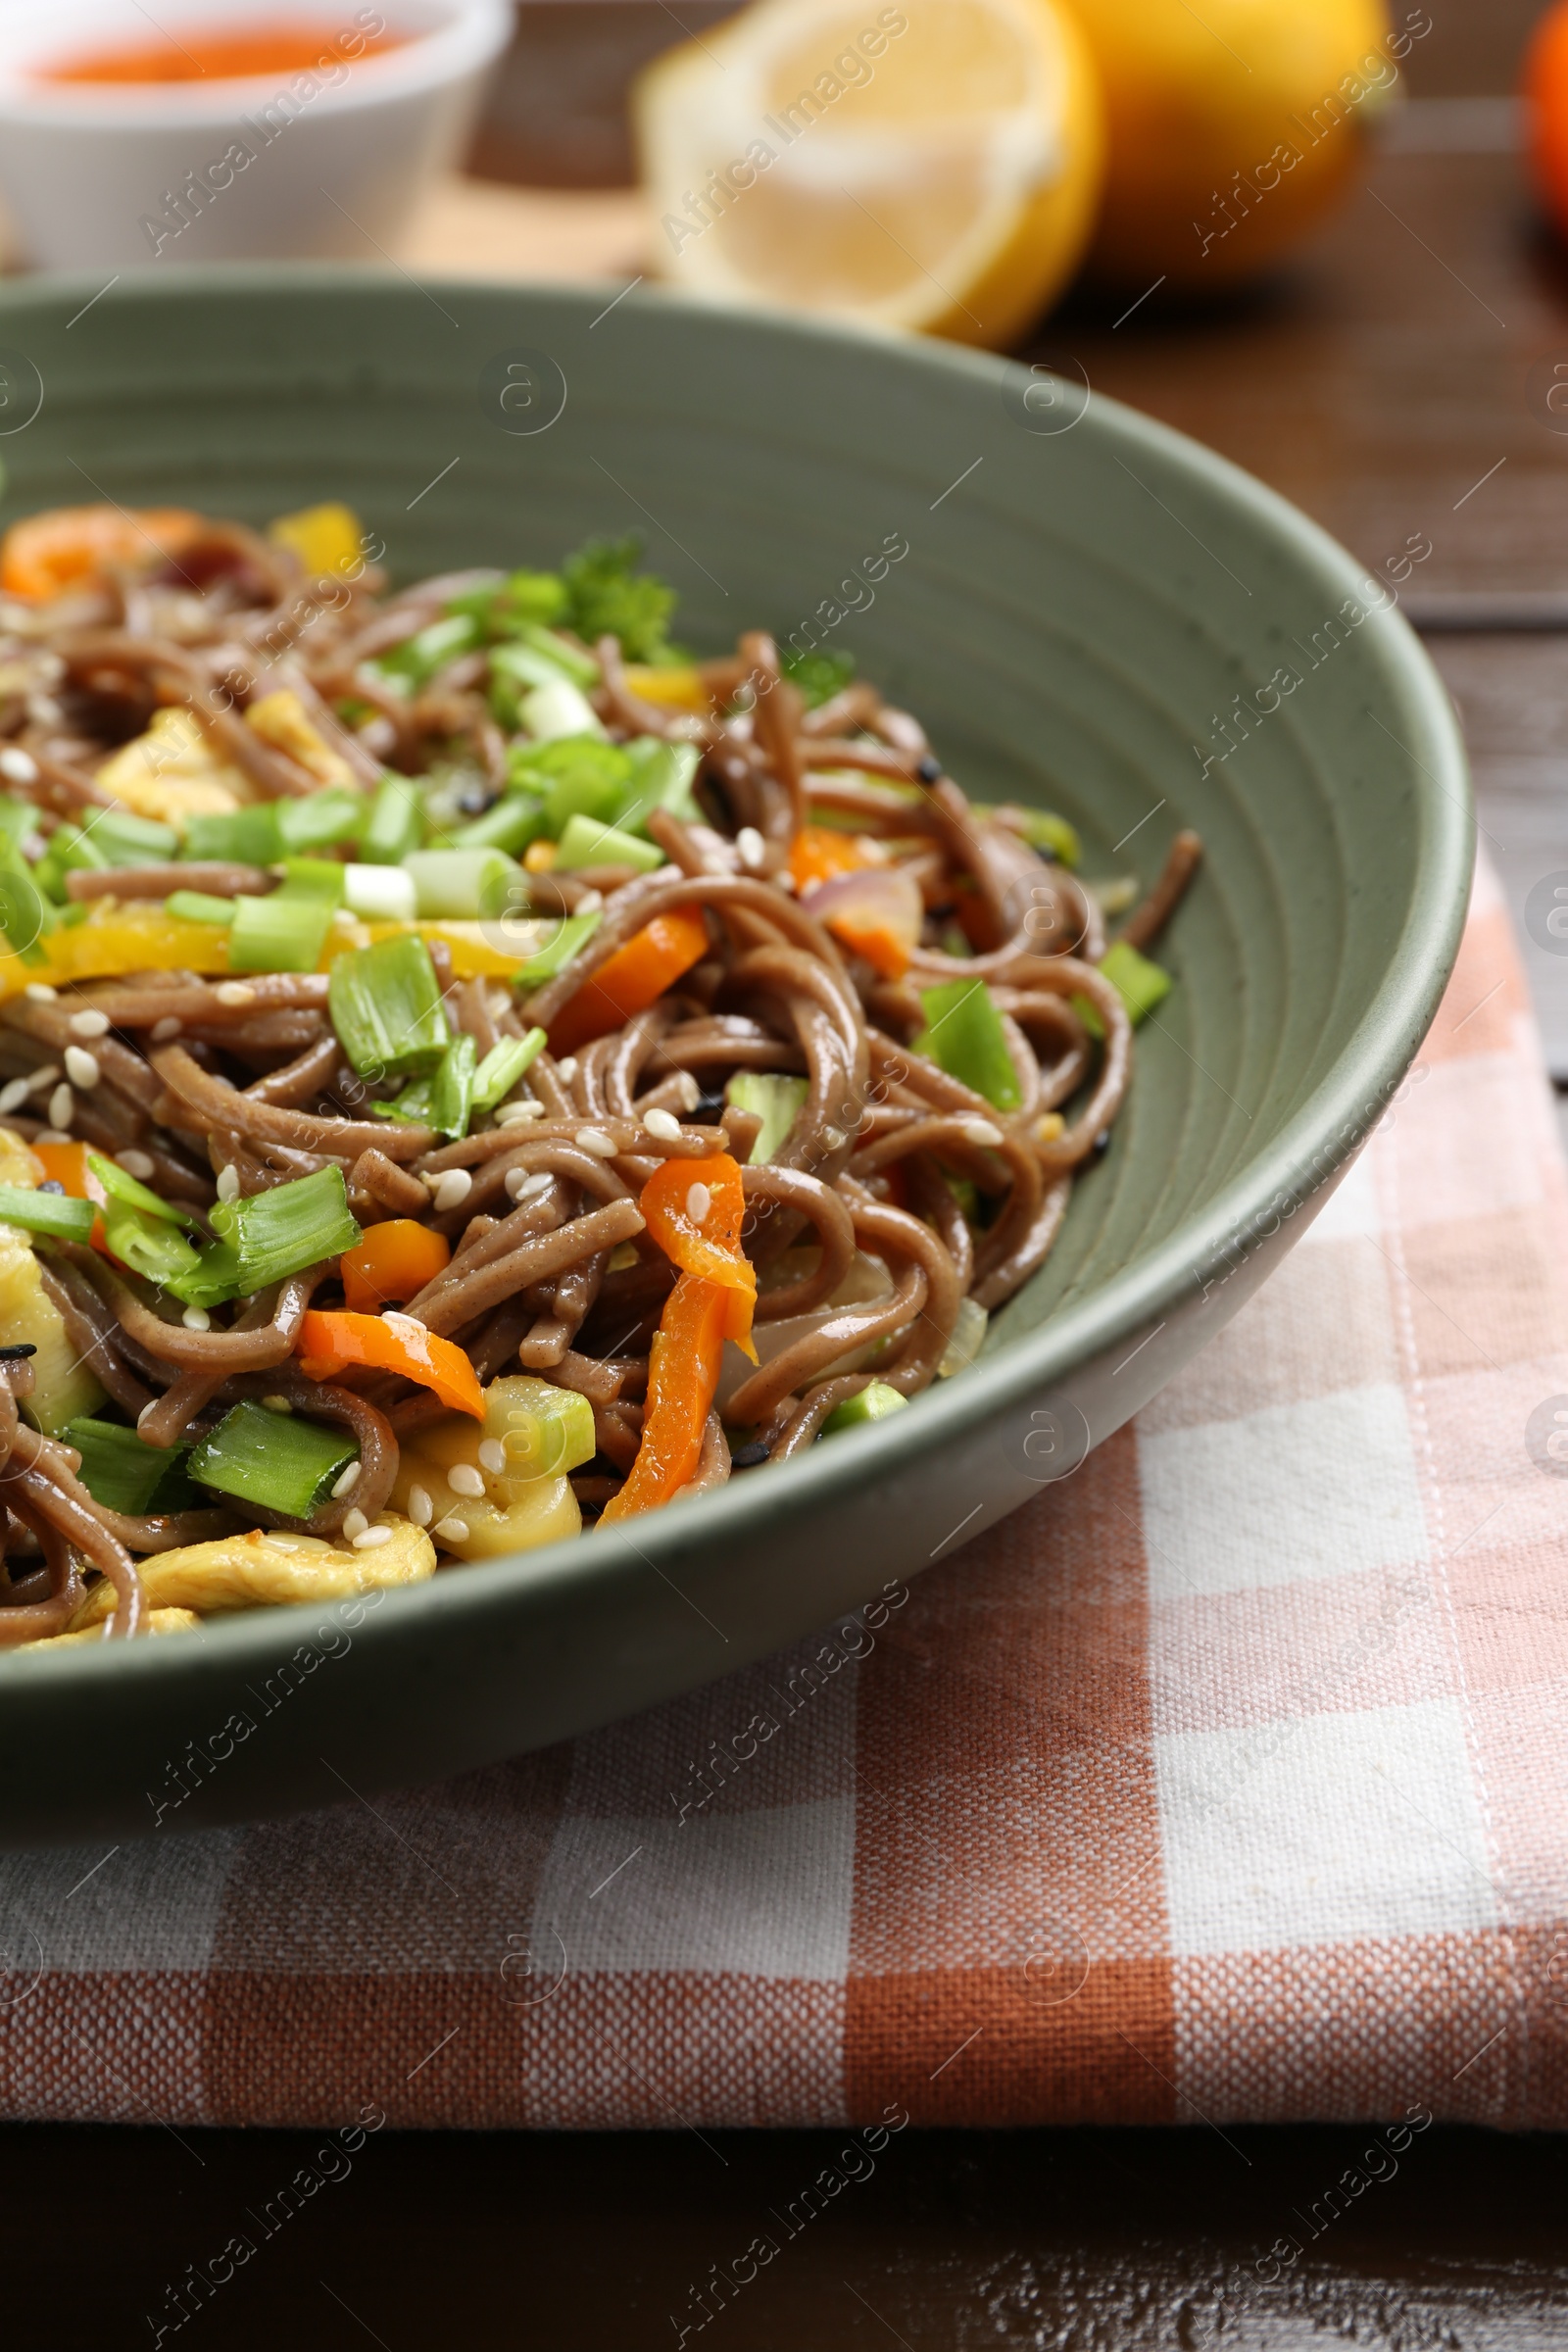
(1392, 386)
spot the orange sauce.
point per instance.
(202, 56)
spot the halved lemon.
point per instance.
(932, 166)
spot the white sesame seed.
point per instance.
(750, 847)
(228, 1184)
(150, 1407)
(196, 1319)
(452, 1188)
(370, 1536)
(17, 766)
(136, 1164)
(41, 992)
(163, 1031)
(403, 1322)
(784, 880)
(52, 1135)
(510, 1112)
(450, 1530)
(493, 1456)
(698, 1201)
(981, 1130)
(276, 1404)
(62, 1108)
(235, 992)
(33, 845)
(590, 902)
(81, 1069)
(13, 1095)
(834, 1137)
(89, 1023)
(595, 1142)
(663, 1125)
(345, 1480)
(568, 1069)
(463, 1478)
(45, 711)
(41, 1080)
(522, 1186)
(354, 1524)
(421, 1510)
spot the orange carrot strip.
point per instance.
(395, 1259)
(682, 1381)
(710, 1247)
(330, 1343)
(821, 852)
(66, 1164)
(45, 552)
(635, 977)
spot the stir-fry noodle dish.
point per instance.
(473, 1071)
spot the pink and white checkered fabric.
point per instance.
(1227, 1779)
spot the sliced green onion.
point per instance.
(523, 595)
(661, 777)
(1139, 984)
(315, 878)
(125, 1188)
(150, 1246)
(542, 1431)
(385, 1005)
(460, 885)
(25, 914)
(516, 819)
(452, 1088)
(420, 657)
(574, 932)
(321, 819)
(19, 820)
(381, 894)
(288, 1228)
(196, 907)
(211, 1281)
(275, 1459)
(874, 1403)
(504, 1063)
(279, 934)
(396, 822)
(557, 710)
(964, 1035)
(54, 1214)
(123, 1473)
(775, 1100)
(248, 837)
(584, 842)
(124, 839)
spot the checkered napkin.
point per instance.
(1229, 1778)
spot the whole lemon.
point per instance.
(1232, 126)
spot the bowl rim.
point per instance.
(1321, 1137)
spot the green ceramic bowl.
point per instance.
(1092, 613)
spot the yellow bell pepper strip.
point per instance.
(327, 539)
(694, 1210)
(678, 687)
(332, 1343)
(634, 977)
(44, 553)
(682, 1382)
(392, 1265)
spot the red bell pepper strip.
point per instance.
(633, 978)
(330, 1343)
(710, 1246)
(682, 1381)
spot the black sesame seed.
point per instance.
(51, 1183)
(929, 770)
(1101, 1143)
(475, 803)
(708, 1110)
(746, 1457)
(21, 1348)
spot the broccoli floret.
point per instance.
(608, 597)
(819, 676)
